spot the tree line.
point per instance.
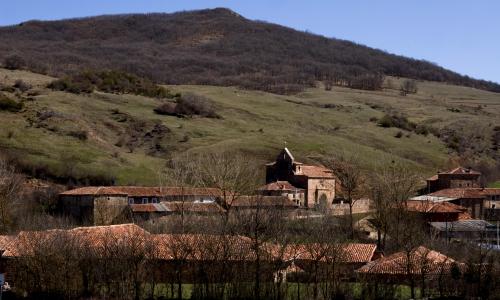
(166, 261)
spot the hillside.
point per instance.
(109, 136)
(209, 47)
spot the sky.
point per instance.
(460, 35)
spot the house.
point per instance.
(418, 264)
(149, 211)
(317, 259)
(109, 204)
(474, 199)
(474, 230)
(283, 188)
(437, 211)
(317, 182)
(456, 178)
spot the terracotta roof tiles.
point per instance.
(420, 259)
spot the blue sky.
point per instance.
(460, 35)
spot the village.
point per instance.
(307, 232)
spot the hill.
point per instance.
(99, 136)
(210, 47)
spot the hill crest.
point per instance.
(212, 46)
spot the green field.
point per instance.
(255, 123)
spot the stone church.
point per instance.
(317, 182)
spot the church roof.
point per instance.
(317, 171)
(279, 186)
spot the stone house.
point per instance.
(456, 178)
(317, 182)
(109, 204)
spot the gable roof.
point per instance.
(460, 193)
(5, 240)
(316, 172)
(142, 191)
(97, 239)
(434, 207)
(345, 253)
(420, 259)
(462, 225)
(461, 171)
(280, 186)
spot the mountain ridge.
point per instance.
(214, 47)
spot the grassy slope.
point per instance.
(309, 130)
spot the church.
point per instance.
(313, 186)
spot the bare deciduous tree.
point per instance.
(10, 188)
(350, 180)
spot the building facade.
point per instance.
(317, 182)
(457, 178)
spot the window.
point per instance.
(144, 200)
(131, 200)
(154, 200)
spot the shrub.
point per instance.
(386, 121)
(408, 87)
(167, 108)
(189, 105)
(8, 104)
(79, 134)
(14, 62)
(110, 82)
(21, 85)
(399, 134)
(422, 129)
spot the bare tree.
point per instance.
(232, 174)
(350, 180)
(391, 187)
(408, 86)
(10, 188)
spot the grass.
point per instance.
(293, 290)
(495, 185)
(255, 123)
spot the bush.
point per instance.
(79, 134)
(399, 134)
(386, 121)
(14, 62)
(168, 108)
(8, 104)
(408, 87)
(189, 105)
(110, 82)
(21, 85)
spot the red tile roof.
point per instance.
(280, 186)
(5, 240)
(316, 172)
(461, 170)
(470, 193)
(434, 207)
(140, 191)
(420, 259)
(97, 239)
(201, 247)
(345, 253)
(433, 178)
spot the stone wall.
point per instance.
(360, 206)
